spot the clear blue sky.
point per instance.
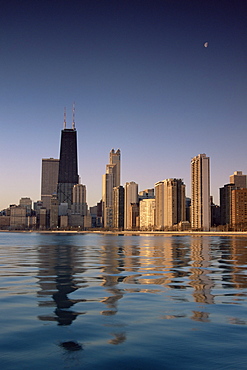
(141, 79)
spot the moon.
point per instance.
(205, 44)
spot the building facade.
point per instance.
(239, 209)
(170, 203)
(118, 207)
(147, 213)
(130, 198)
(49, 180)
(79, 205)
(226, 204)
(238, 179)
(200, 193)
(110, 180)
(68, 167)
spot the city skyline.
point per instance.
(142, 81)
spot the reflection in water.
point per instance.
(146, 299)
(58, 265)
(71, 346)
(200, 280)
(127, 265)
(112, 265)
(239, 260)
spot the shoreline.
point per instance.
(137, 232)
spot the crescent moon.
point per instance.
(205, 44)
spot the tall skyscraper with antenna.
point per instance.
(68, 166)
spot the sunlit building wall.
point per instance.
(79, 205)
(200, 193)
(130, 197)
(239, 208)
(147, 214)
(110, 180)
(49, 179)
(170, 203)
(238, 179)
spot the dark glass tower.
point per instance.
(68, 168)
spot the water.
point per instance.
(88, 301)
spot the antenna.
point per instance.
(73, 117)
(64, 118)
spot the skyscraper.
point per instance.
(49, 179)
(147, 213)
(226, 204)
(68, 167)
(200, 192)
(170, 203)
(118, 207)
(110, 180)
(130, 198)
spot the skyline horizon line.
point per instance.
(124, 183)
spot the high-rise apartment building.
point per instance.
(130, 198)
(170, 203)
(49, 180)
(200, 193)
(115, 161)
(118, 207)
(147, 213)
(239, 179)
(239, 208)
(68, 167)
(226, 203)
(110, 180)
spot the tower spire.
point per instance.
(73, 117)
(64, 118)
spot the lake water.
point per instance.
(89, 301)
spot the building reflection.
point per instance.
(112, 263)
(157, 262)
(238, 250)
(199, 275)
(59, 268)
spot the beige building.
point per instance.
(170, 203)
(238, 179)
(49, 179)
(79, 205)
(147, 214)
(130, 198)
(200, 193)
(110, 180)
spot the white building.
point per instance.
(200, 193)
(147, 214)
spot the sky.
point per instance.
(141, 79)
